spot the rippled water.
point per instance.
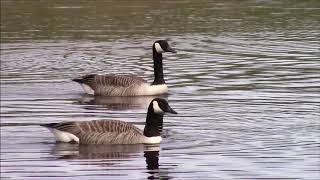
(245, 83)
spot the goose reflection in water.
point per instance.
(107, 153)
(119, 103)
(75, 151)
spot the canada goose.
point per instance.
(114, 131)
(125, 85)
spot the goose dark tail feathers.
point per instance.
(85, 79)
(77, 80)
(50, 125)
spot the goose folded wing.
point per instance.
(129, 137)
(94, 80)
(100, 126)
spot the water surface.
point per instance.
(245, 83)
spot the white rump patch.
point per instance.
(158, 48)
(147, 89)
(87, 89)
(156, 108)
(63, 136)
(153, 140)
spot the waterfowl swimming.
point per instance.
(125, 85)
(114, 131)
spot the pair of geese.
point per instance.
(114, 131)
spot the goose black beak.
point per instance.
(171, 50)
(170, 110)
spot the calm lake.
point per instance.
(245, 82)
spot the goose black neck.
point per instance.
(158, 68)
(153, 123)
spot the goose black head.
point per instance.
(161, 46)
(161, 106)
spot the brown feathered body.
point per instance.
(119, 85)
(98, 132)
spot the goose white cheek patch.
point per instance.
(156, 108)
(158, 48)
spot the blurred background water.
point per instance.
(245, 82)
